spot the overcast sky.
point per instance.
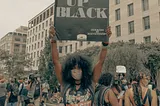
(14, 13)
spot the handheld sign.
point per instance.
(84, 20)
(120, 69)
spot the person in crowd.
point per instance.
(139, 94)
(2, 90)
(45, 89)
(12, 93)
(104, 95)
(31, 90)
(76, 77)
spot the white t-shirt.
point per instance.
(45, 87)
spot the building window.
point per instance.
(39, 36)
(24, 40)
(33, 63)
(36, 29)
(17, 39)
(147, 39)
(46, 33)
(41, 18)
(34, 54)
(146, 22)
(35, 37)
(37, 20)
(35, 46)
(43, 25)
(70, 48)
(145, 5)
(118, 14)
(80, 43)
(60, 49)
(51, 11)
(130, 10)
(66, 49)
(41, 43)
(42, 34)
(44, 16)
(76, 47)
(31, 55)
(118, 30)
(37, 53)
(131, 27)
(47, 13)
(32, 47)
(132, 41)
(47, 23)
(117, 2)
(50, 21)
(38, 44)
(39, 27)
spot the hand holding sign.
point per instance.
(108, 31)
(52, 31)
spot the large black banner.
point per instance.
(81, 19)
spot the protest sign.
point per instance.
(84, 20)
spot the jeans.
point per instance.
(12, 104)
(2, 100)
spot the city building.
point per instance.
(15, 42)
(38, 28)
(135, 21)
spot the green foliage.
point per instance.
(46, 68)
(14, 64)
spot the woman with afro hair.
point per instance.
(139, 94)
(76, 76)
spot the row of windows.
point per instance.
(35, 63)
(34, 54)
(145, 7)
(38, 28)
(41, 17)
(37, 37)
(131, 29)
(35, 46)
(69, 49)
(146, 39)
(17, 34)
(20, 39)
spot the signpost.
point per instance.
(84, 20)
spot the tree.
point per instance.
(46, 67)
(14, 64)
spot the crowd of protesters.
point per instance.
(80, 85)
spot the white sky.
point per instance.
(14, 13)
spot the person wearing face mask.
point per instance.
(76, 77)
(139, 94)
(2, 90)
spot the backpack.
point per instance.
(99, 95)
(15, 89)
(67, 86)
(37, 91)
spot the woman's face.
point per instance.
(76, 73)
(145, 80)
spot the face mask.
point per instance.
(76, 74)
